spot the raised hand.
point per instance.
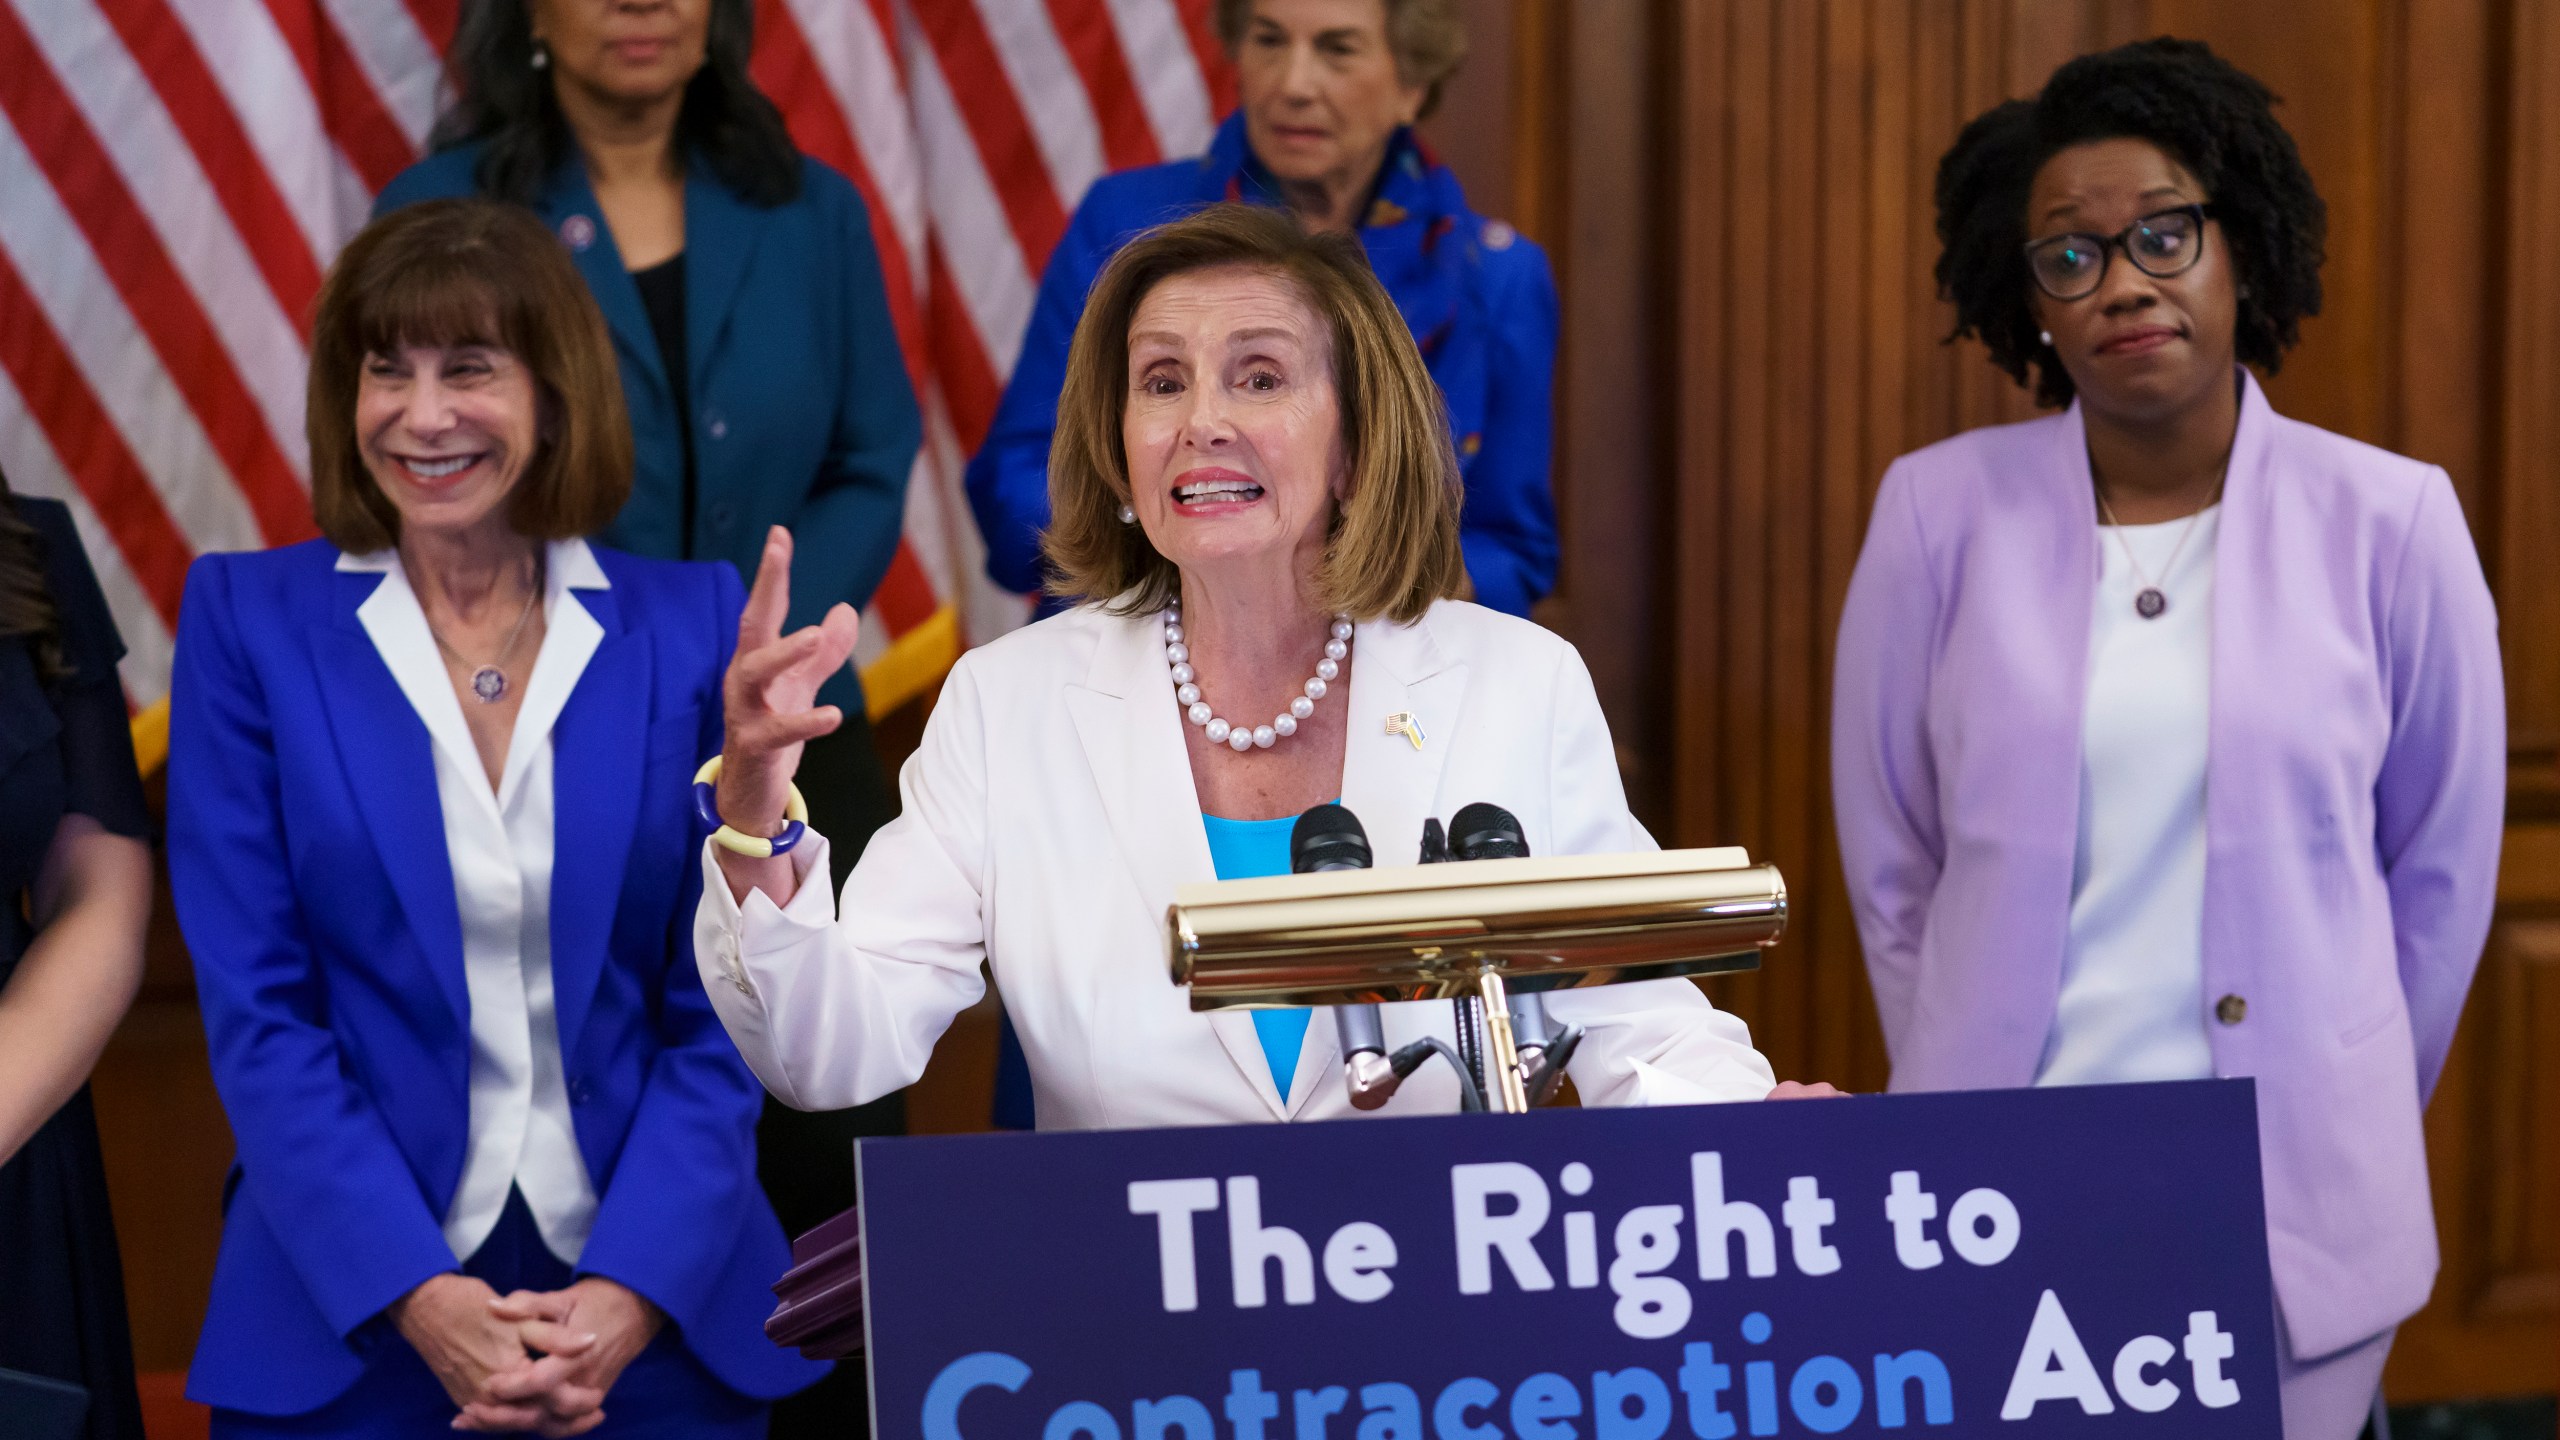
(770, 701)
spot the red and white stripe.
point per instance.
(176, 175)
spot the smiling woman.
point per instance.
(761, 374)
(496, 1161)
(447, 360)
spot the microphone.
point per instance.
(1486, 832)
(1329, 837)
(1489, 832)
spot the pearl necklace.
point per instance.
(1186, 688)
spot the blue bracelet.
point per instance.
(795, 812)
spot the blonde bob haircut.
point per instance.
(1392, 548)
(451, 273)
(1425, 36)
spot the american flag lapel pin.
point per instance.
(1402, 723)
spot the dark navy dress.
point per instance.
(64, 749)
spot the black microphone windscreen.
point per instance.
(1328, 837)
(1486, 832)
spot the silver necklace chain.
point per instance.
(490, 690)
(2151, 600)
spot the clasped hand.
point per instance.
(539, 1361)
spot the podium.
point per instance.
(2032, 1263)
(2082, 1261)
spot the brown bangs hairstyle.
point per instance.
(1393, 546)
(468, 272)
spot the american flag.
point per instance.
(175, 176)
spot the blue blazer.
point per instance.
(801, 410)
(307, 854)
(1475, 293)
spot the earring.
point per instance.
(1128, 515)
(541, 56)
(2047, 337)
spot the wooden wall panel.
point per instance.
(2526, 430)
(2329, 67)
(2492, 1160)
(1813, 350)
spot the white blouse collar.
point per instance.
(392, 617)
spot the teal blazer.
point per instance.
(801, 410)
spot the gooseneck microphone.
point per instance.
(1329, 837)
(1489, 832)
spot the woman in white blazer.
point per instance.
(1252, 463)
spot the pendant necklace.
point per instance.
(2151, 602)
(489, 681)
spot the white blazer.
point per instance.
(1050, 815)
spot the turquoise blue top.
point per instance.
(1248, 850)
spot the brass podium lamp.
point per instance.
(1436, 932)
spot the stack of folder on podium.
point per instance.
(821, 1294)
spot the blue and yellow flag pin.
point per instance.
(1403, 723)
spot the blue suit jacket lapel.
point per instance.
(600, 262)
(720, 235)
(390, 762)
(596, 755)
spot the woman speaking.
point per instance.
(1253, 472)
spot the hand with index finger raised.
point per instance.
(769, 696)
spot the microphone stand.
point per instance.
(1468, 1008)
(1527, 1057)
(1328, 837)
(1502, 1051)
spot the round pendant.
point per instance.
(2150, 603)
(489, 683)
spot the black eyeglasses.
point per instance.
(2160, 244)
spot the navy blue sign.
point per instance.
(2086, 1261)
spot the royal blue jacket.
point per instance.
(307, 854)
(1476, 294)
(801, 410)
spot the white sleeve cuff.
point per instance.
(759, 927)
(1653, 1085)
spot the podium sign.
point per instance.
(2068, 1262)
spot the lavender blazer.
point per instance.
(2353, 801)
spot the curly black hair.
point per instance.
(2207, 115)
(501, 98)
